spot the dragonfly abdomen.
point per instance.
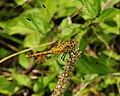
(52, 51)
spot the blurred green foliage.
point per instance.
(29, 23)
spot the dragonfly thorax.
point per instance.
(73, 43)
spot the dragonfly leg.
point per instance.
(65, 53)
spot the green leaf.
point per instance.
(4, 52)
(48, 12)
(12, 87)
(20, 24)
(89, 65)
(48, 78)
(117, 20)
(36, 22)
(22, 80)
(42, 82)
(3, 82)
(38, 86)
(23, 61)
(106, 14)
(112, 54)
(32, 39)
(69, 30)
(90, 8)
(110, 29)
(6, 87)
(52, 86)
(66, 8)
(83, 44)
(14, 26)
(20, 2)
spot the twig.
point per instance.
(12, 55)
(30, 67)
(100, 38)
(77, 12)
(9, 46)
(66, 74)
(69, 20)
(94, 91)
(105, 5)
(91, 52)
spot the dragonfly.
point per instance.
(64, 47)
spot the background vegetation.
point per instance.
(95, 24)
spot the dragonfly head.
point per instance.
(73, 43)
